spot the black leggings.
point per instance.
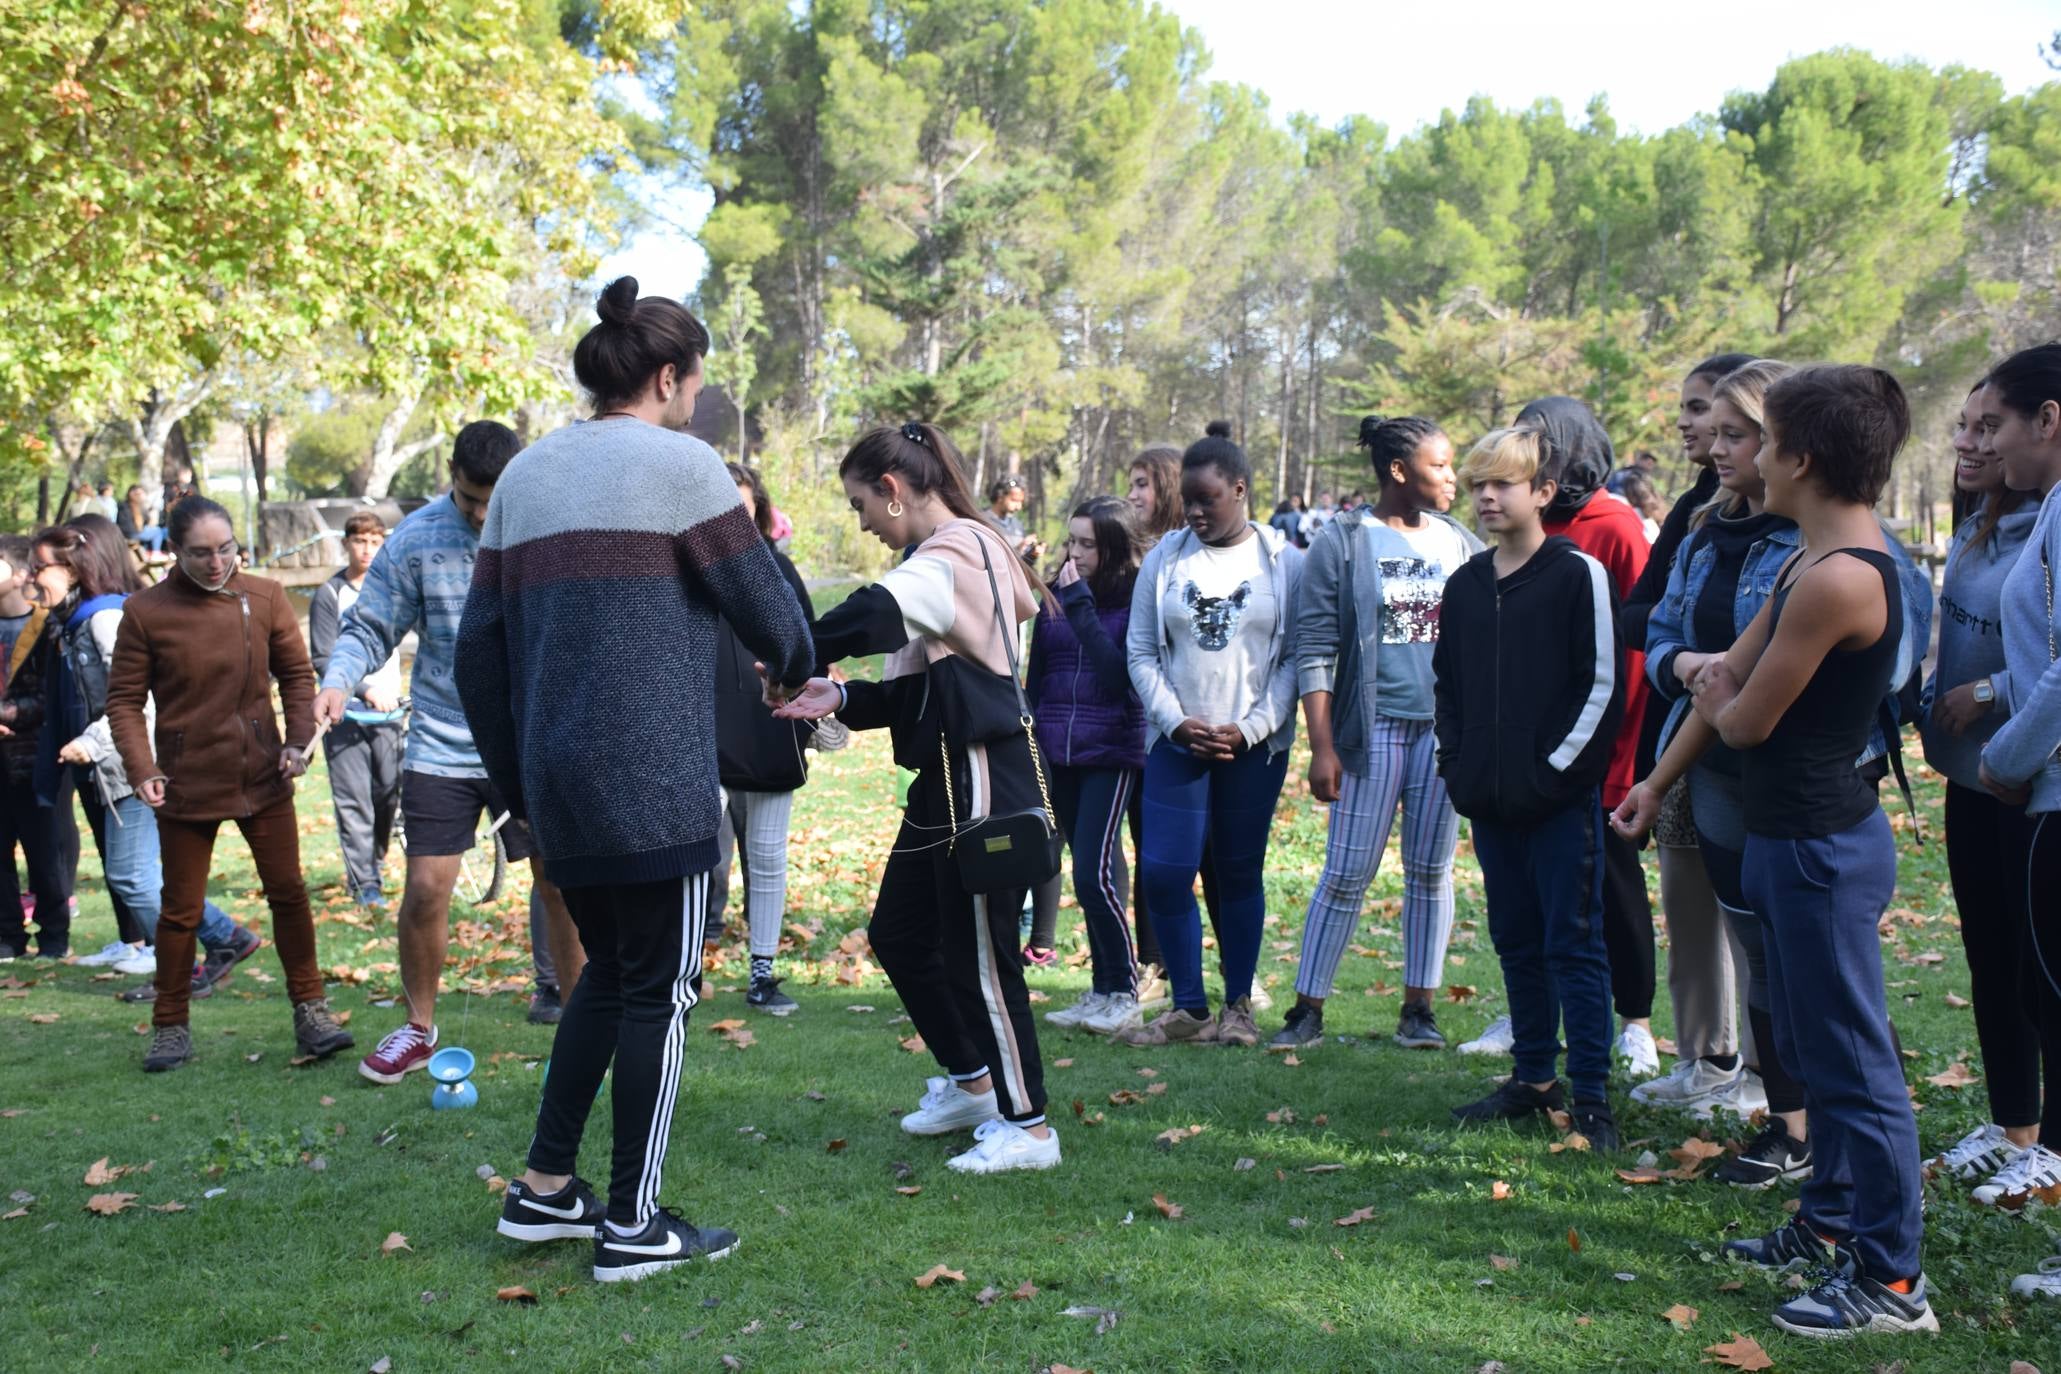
(954, 960)
(1785, 1094)
(1987, 844)
(1627, 927)
(2043, 898)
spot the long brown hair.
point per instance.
(921, 456)
(1162, 465)
(95, 552)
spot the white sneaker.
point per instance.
(1984, 1150)
(1080, 1011)
(1747, 1096)
(1691, 1083)
(1119, 1011)
(113, 950)
(2033, 1173)
(2045, 1284)
(1497, 1039)
(1152, 989)
(136, 961)
(1637, 1052)
(947, 1107)
(1259, 999)
(1001, 1146)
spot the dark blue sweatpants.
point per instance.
(1229, 808)
(1821, 899)
(1544, 885)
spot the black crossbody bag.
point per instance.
(1010, 849)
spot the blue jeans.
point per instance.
(1229, 806)
(1544, 886)
(1821, 899)
(129, 858)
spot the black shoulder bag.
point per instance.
(1007, 850)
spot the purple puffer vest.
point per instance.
(1080, 724)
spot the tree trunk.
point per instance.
(152, 432)
(389, 455)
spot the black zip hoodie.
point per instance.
(1529, 685)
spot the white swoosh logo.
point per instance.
(671, 1247)
(573, 1211)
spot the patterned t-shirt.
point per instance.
(1412, 588)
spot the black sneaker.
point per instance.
(1789, 1245)
(170, 1046)
(1594, 1121)
(545, 1007)
(765, 996)
(1304, 1025)
(1774, 1156)
(665, 1241)
(1513, 1101)
(13, 948)
(1417, 1028)
(1848, 1304)
(571, 1213)
(218, 964)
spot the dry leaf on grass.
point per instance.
(725, 1026)
(834, 1146)
(169, 1207)
(1148, 1073)
(42, 1018)
(1460, 992)
(1155, 1089)
(1574, 1140)
(2023, 1367)
(1324, 1168)
(1062, 1063)
(1125, 1097)
(16, 1215)
(1574, 1240)
(1170, 1210)
(1355, 1217)
(1691, 1153)
(1502, 1264)
(937, 1274)
(914, 1044)
(395, 1241)
(1283, 1117)
(1956, 1075)
(99, 1175)
(911, 1191)
(1639, 1175)
(1499, 1191)
(1731, 1286)
(1173, 1136)
(1741, 1352)
(515, 1292)
(1682, 1317)
(107, 1204)
(1066, 1369)
(1025, 1291)
(1289, 1061)
(1957, 1002)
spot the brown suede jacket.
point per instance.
(210, 658)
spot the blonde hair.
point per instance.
(1504, 455)
(1745, 387)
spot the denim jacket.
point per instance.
(1669, 630)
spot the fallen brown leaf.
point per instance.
(99, 1175)
(1062, 1063)
(1460, 992)
(515, 1292)
(14, 1215)
(1025, 1291)
(169, 1207)
(914, 1044)
(937, 1274)
(42, 1018)
(1574, 1240)
(1170, 1210)
(1957, 1002)
(395, 1241)
(1502, 1264)
(107, 1204)
(1639, 1175)
(725, 1026)
(1125, 1097)
(1574, 1140)
(1499, 1191)
(1692, 1152)
(1355, 1217)
(911, 1190)
(1741, 1352)
(834, 1146)
(1148, 1073)
(1681, 1316)
(1323, 1168)
(1731, 1286)
(1289, 1061)
(1176, 1134)
(1155, 1089)
(1284, 1117)
(1956, 1075)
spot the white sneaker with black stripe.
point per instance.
(571, 1213)
(666, 1242)
(1000, 1146)
(1984, 1150)
(2034, 1174)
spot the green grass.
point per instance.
(283, 1270)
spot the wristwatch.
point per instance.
(1985, 692)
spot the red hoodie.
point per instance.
(1610, 531)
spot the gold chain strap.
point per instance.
(1030, 737)
(951, 806)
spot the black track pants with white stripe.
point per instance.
(643, 943)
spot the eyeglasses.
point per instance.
(225, 552)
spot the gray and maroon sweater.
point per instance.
(587, 652)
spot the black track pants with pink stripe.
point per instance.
(954, 959)
(643, 943)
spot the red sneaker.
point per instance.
(399, 1054)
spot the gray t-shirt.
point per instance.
(1411, 589)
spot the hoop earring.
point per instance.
(894, 510)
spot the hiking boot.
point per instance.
(571, 1213)
(1789, 1245)
(219, 963)
(1001, 1146)
(316, 1030)
(1174, 1027)
(666, 1242)
(1984, 1150)
(1846, 1305)
(170, 1046)
(1304, 1025)
(1594, 1121)
(400, 1053)
(545, 1006)
(1512, 1101)
(765, 996)
(1234, 1024)
(1497, 1039)
(1417, 1028)
(1774, 1156)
